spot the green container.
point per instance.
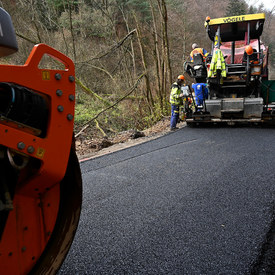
(268, 91)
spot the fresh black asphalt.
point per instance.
(196, 201)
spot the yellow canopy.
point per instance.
(234, 28)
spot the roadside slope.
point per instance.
(87, 149)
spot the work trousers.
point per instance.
(200, 96)
(174, 115)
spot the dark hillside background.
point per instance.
(126, 52)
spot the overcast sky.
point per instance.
(269, 4)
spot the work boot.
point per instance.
(174, 128)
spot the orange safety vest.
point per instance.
(197, 50)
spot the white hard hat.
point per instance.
(194, 46)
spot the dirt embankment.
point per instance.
(87, 149)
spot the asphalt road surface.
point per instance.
(196, 201)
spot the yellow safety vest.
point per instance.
(175, 98)
(217, 63)
(197, 50)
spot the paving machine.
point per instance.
(238, 90)
(40, 178)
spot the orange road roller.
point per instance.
(40, 177)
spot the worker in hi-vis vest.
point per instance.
(176, 100)
(196, 49)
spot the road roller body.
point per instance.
(40, 178)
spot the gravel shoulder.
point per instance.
(88, 149)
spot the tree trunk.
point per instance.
(149, 97)
(71, 29)
(165, 46)
(132, 47)
(157, 57)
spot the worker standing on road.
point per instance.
(176, 100)
(196, 49)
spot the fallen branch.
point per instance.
(85, 126)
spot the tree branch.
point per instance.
(99, 128)
(104, 110)
(89, 91)
(26, 38)
(119, 44)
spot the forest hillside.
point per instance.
(126, 52)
